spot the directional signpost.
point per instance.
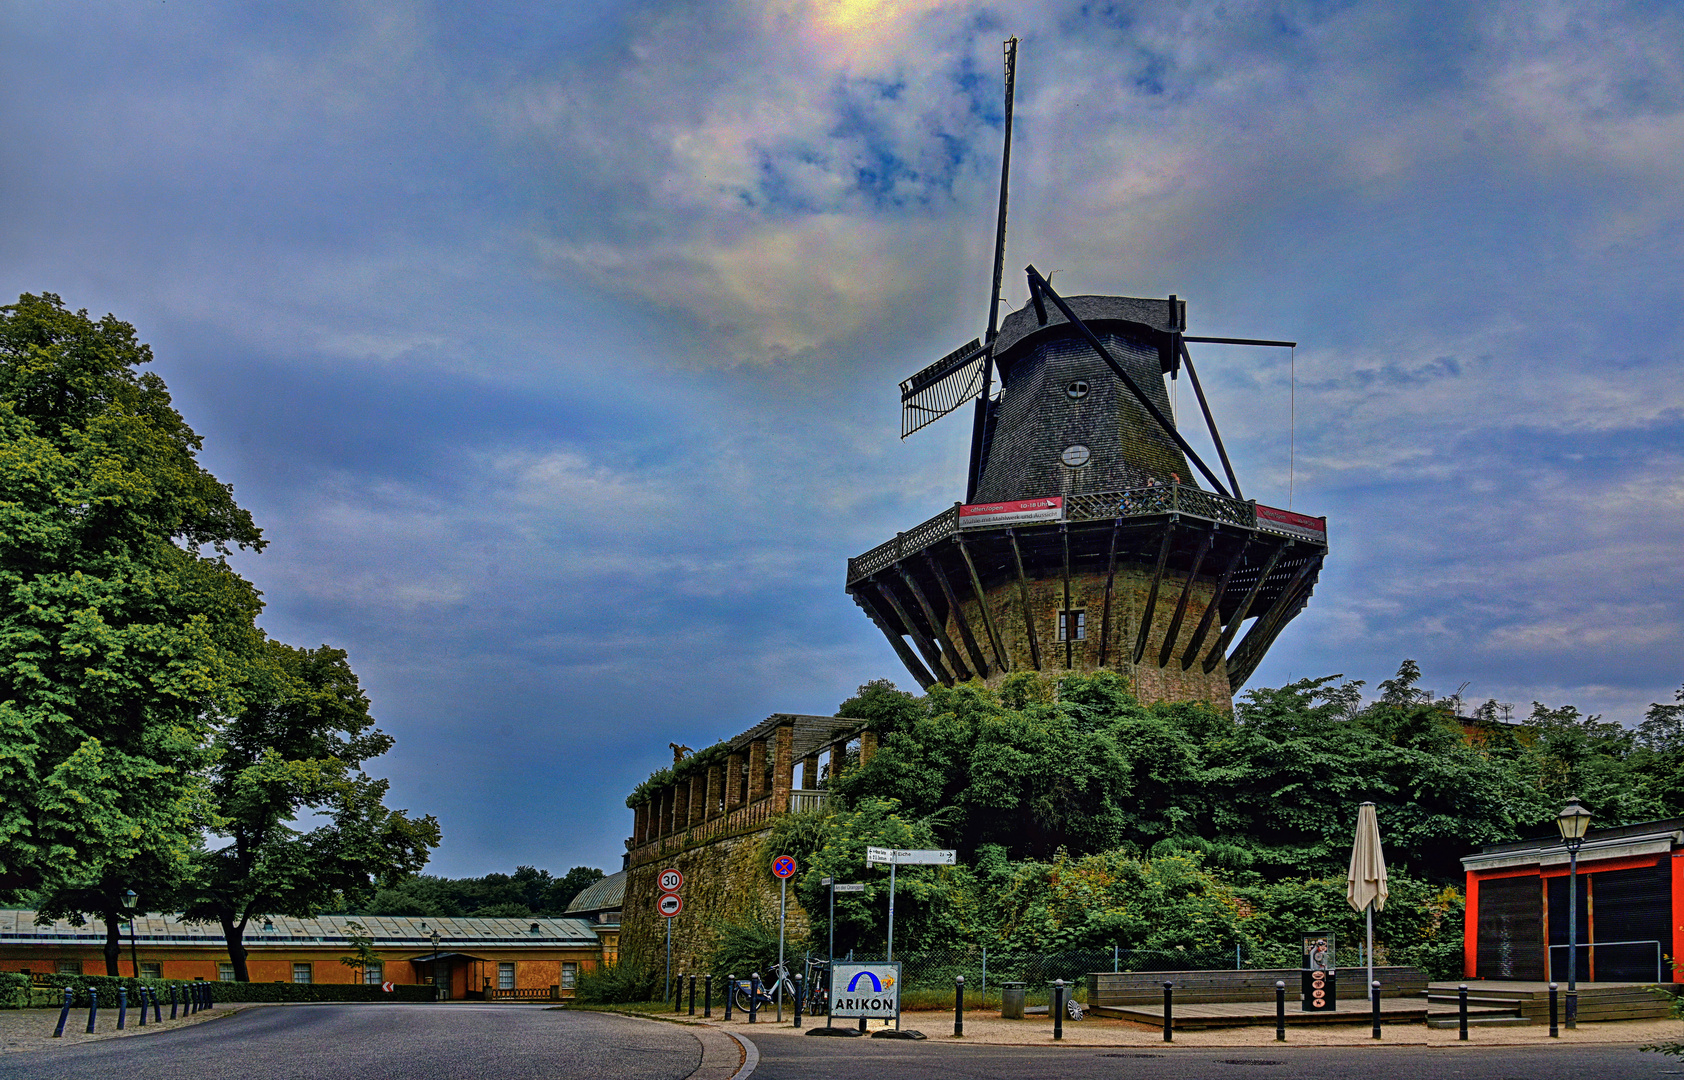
(669, 904)
(830, 967)
(904, 857)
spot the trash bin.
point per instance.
(1011, 1000)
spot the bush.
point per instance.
(615, 985)
(747, 946)
(14, 990)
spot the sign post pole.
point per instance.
(783, 908)
(830, 957)
(668, 904)
(669, 962)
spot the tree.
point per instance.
(122, 627)
(363, 954)
(296, 748)
(154, 878)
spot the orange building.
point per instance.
(467, 958)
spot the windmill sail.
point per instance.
(942, 387)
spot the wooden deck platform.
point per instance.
(1531, 1000)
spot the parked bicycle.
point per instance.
(814, 977)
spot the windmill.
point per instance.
(1085, 540)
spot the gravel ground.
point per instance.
(988, 1028)
(32, 1029)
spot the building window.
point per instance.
(505, 976)
(1073, 625)
(374, 974)
(301, 973)
(68, 967)
(151, 971)
(569, 974)
(225, 973)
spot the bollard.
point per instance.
(753, 996)
(140, 1000)
(1280, 1010)
(958, 1006)
(197, 998)
(798, 1000)
(172, 1001)
(1169, 1012)
(1555, 1029)
(730, 992)
(122, 1006)
(64, 1013)
(157, 1004)
(1572, 1008)
(1462, 1009)
(210, 998)
(93, 1008)
(678, 994)
(862, 1025)
(692, 995)
(1374, 994)
(1058, 1008)
(707, 994)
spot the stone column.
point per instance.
(756, 769)
(658, 815)
(783, 767)
(697, 808)
(809, 772)
(733, 781)
(714, 776)
(681, 805)
(868, 747)
(640, 824)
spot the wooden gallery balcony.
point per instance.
(739, 785)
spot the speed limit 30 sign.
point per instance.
(670, 880)
(669, 904)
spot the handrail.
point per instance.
(1610, 944)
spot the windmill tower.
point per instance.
(1085, 541)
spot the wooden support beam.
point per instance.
(1023, 597)
(1249, 652)
(914, 666)
(1110, 577)
(1001, 661)
(1215, 606)
(1174, 630)
(1233, 626)
(976, 654)
(1152, 593)
(949, 653)
(932, 654)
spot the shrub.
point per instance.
(615, 984)
(744, 947)
(14, 990)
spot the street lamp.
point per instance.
(129, 899)
(1574, 822)
(436, 966)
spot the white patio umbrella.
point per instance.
(1365, 884)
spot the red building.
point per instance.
(1630, 907)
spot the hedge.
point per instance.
(11, 984)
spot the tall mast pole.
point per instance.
(979, 426)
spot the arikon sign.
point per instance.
(871, 991)
(989, 515)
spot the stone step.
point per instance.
(1440, 1020)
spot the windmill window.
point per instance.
(1075, 456)
(1077, 390)
(1073, 625)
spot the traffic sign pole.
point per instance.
(783, 907)
(830, 964)
(669, 961)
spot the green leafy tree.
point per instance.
(296, 749)
(153, 877)
(363, 955)
(122, 628)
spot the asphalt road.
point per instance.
(365, 1042)
(853, 1059)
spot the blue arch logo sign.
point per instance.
(871, 991)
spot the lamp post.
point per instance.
(436, 965)
(1574, 822)
(129, 899)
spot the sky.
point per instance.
(555, 347)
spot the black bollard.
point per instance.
(707, 994)
(862, 1025)
(210, 998)
(1374, 994)
(753, 996)
(122, 1006)
(140, 1000)
(958, 1006)
(196, 999)
(1280, 1010)
(1169, 1012)
(64, 1013)
(1462, 1009)
(692, 995)
(678, 994)
(1572, 1008)
(730, 992)
(1555, 1028)
(798, 1000)
(93, 1008)
(172, 1001)
(1058, 1009)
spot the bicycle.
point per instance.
(815, 995)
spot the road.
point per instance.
(503, 1042)
(330, 1042)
